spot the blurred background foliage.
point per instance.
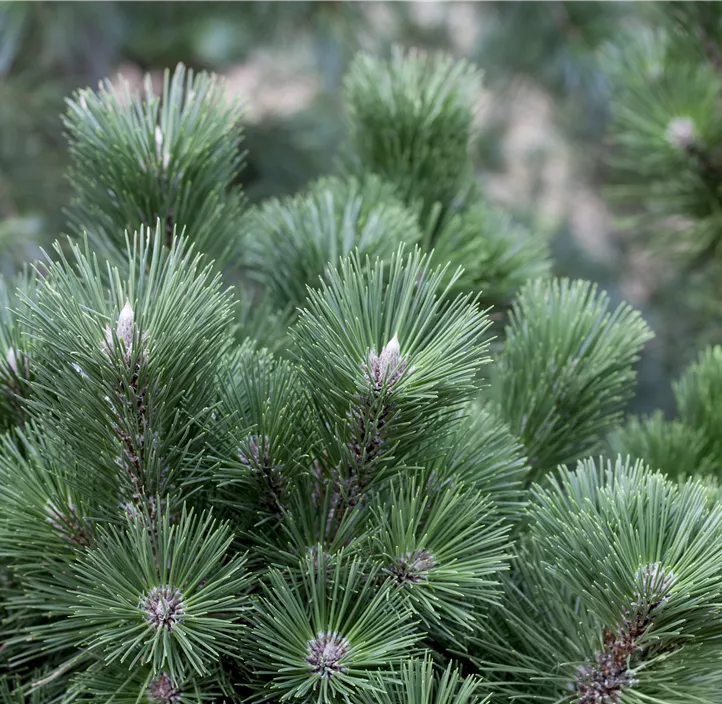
(543, 152)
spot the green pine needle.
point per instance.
(322, 634)
(419, 682)
(291, 242)
(170, 597)
(567, 368)
(172, 157)
(410, 122)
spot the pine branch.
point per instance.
(613, 593)
(118, 685)
(688, 445)
(410, 122)
(291, 242)
(137, 159)
(667, 139)
(324, 634)
(47, 513)
(127, 385)
(378, 410)
(565, 374)
(184, 518)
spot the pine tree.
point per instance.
(386, 510)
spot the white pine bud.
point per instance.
(390, 356)
(387, 367)
(124, 329)
(163, 155)
(158, 142)
(655, 582)
(12, 360)
(681, 132)
(79, 369)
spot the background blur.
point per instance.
(541, 150)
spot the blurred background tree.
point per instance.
(576, 141)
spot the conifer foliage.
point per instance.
(667, 84)
(383, 511)
(691, 442)
(138, 158)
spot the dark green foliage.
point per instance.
(387, 345)
(566, 371)
(15, 372)
(46, 509)
(557, 46)
(140, 405)
(614, 592)
(667, 86)
(366, 515)
(666, 159)
(264, 410)
(498, 256)
(698, 394)
(670, 446)
(410, 122)
(142, 158)
(290, 242)
(115, 684)
(666, 138)
(692, 442)
(413, 184)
